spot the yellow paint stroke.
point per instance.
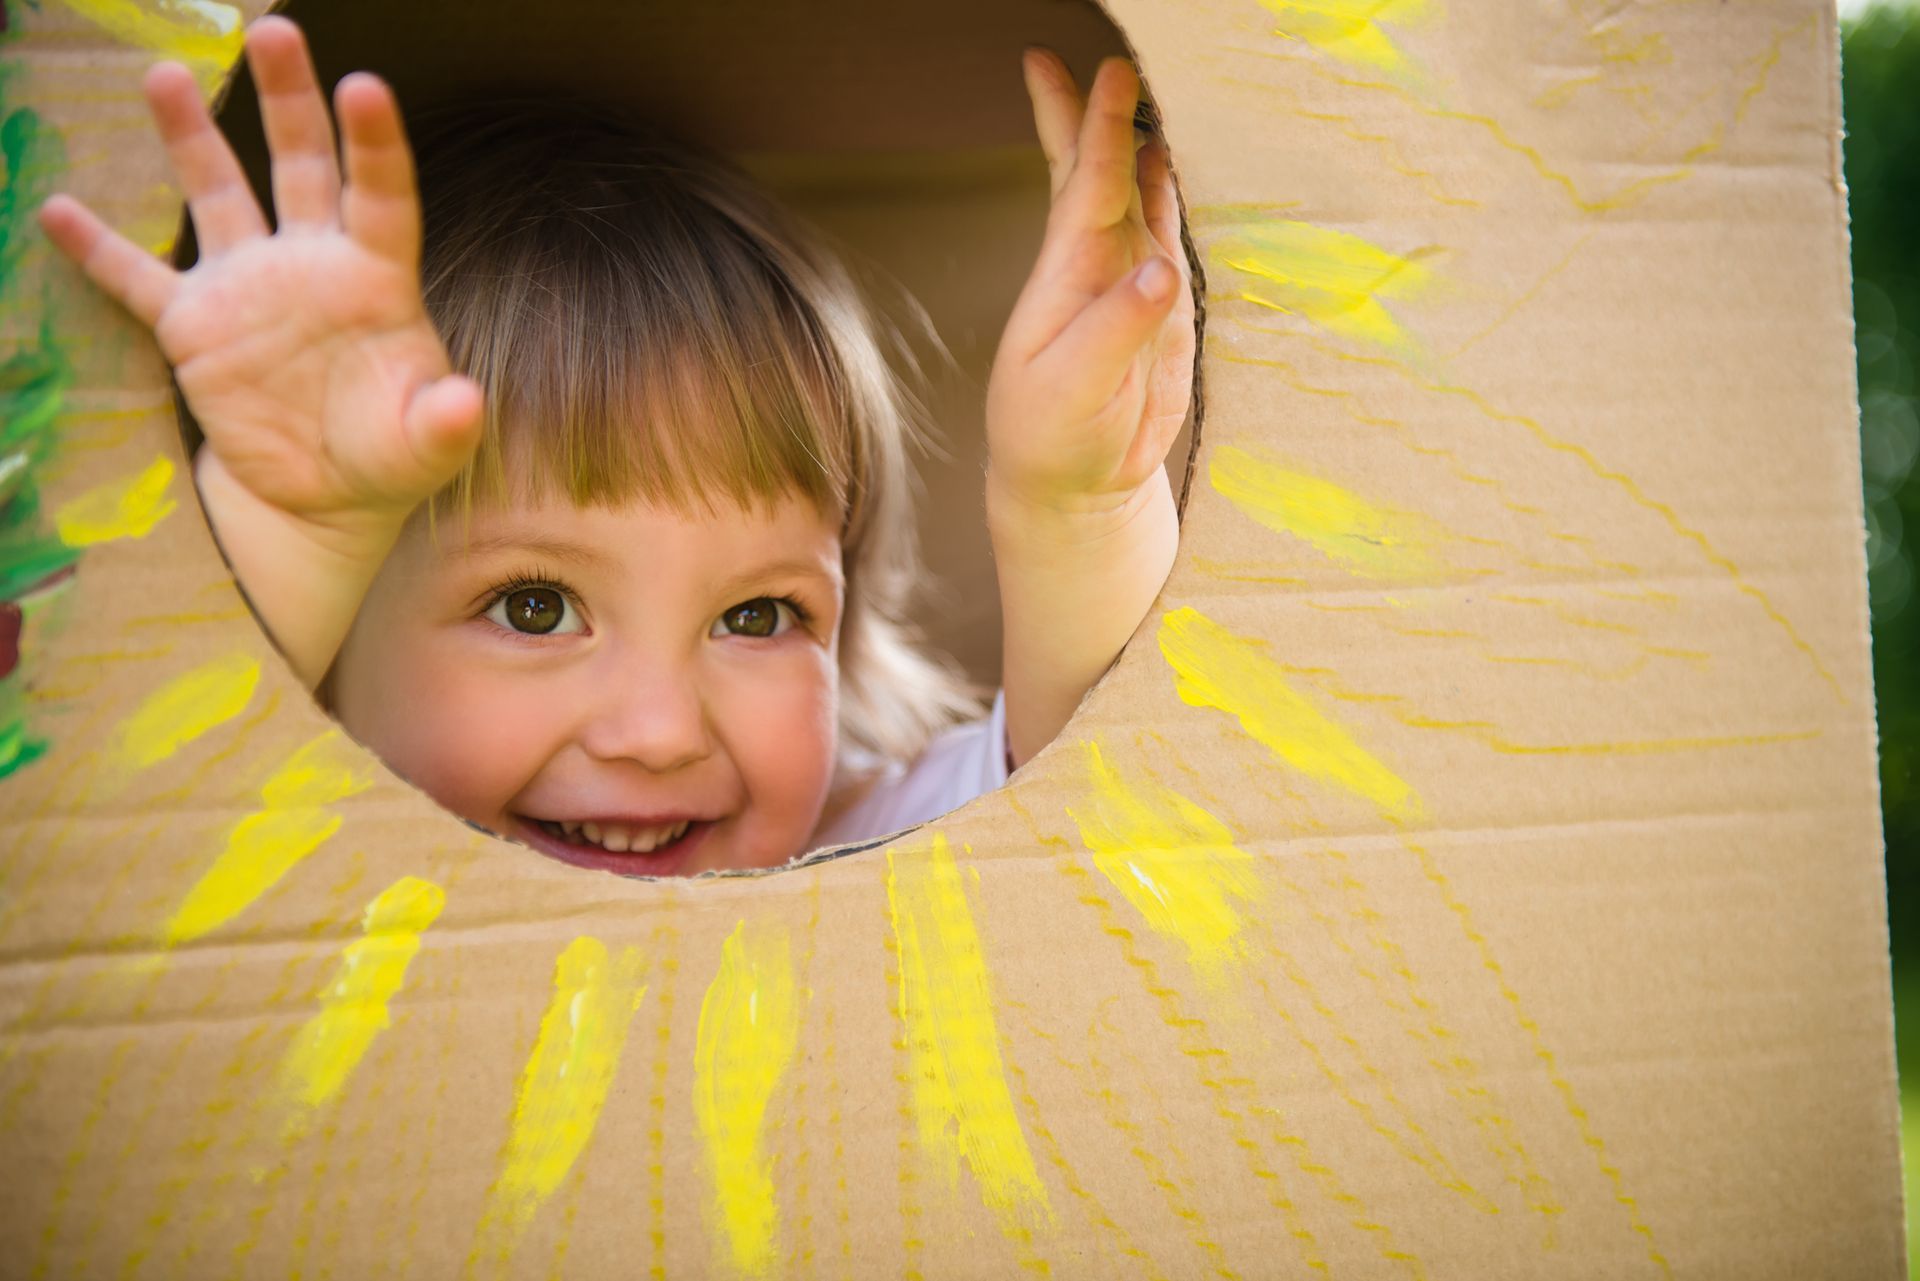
(1173, 861)
(191, 618)
(665, 944)
(118, 509)
(1347, 398)
(1414, 1143)
(962, 1107)
(1232, 1094)
(1175, 1186)
(1431, 869)
(749, 1027)
(1331, 279)
(353, 1005)
(1616, 47)
(1390, 150)
(1760, 65)
(200, 32)
(1494, 737)
(1361, 537)
(1114, 1239)
(1216, 668)
(1626, 194)
(185, 708)
(1489, 734)
(292, 822)
(1351, 30)
(1246, 572)
(1587, 459)
(1526, 295)
(1620, 479)
(1566, 614)
(563, 1086)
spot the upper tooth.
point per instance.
(621, 839)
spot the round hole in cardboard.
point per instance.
(940, 197)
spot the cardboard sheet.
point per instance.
(1472, 869)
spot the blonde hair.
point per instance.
(647, 324)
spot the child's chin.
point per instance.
(683, 857)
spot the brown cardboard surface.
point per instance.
(1472, 868)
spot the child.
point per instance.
(664, 639)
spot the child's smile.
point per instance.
(630, 689)
(613, 845)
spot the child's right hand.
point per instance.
(328, 404)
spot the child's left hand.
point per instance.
(1089, 389)
(1095, 370)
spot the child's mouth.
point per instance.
(630, 849)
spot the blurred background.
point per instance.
(1880, 79)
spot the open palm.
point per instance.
(305, 354)
(1095, 371)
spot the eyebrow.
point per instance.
(556, 549)
(578, 554)
(797, 567)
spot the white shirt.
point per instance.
(958, 765)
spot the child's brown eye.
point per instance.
(761, 617)
(535, 611)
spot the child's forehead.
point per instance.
(718, 527)
(692, 467)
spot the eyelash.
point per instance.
(801, 613)
(802, 616)
(520, 582)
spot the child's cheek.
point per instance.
(781, 731)
(455, 729)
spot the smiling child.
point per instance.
(594, 519)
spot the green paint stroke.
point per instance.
(34, 377)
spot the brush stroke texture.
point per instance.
(749, 1028)
(354, 1003)
(962, 1107)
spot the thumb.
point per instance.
(442, 424)
(1095, 351)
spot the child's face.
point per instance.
(588, 680)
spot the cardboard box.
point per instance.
(1471, 869)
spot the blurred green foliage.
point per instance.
(1880, 55)
(1880, 85)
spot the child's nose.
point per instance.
(656, 718)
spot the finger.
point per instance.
(1057, 108)
(1096, 350)
(1098, 190)
(222, 204)
(1135, 216)
(381, 206)
(1159, 203)
(443, 423)
(125, 272)
(306, 175)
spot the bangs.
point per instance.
(637, 332)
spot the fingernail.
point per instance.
(1155, 280)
